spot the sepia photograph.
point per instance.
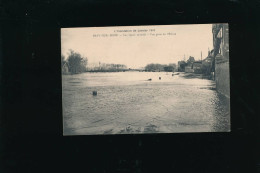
(129, 86)
(145, 79)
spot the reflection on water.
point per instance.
(128, 103)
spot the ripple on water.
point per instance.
(169, 105)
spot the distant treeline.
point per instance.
(160, 67)
(76, 63)
(102, 67)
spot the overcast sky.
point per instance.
(138, 51)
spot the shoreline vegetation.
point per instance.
(75, 63)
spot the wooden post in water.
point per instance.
(94, 93)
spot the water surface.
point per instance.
(128, 103)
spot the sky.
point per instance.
(175, 42)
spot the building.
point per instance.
(65, 68)
(188, 69)
(221, 40)
(221, 58)
(197, 66)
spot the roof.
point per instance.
(65, 63)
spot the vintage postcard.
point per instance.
(145, 79)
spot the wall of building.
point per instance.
(221, 58)
(188, 69)
(222, 77)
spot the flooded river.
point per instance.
(128, 103)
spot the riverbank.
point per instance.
(195, 75)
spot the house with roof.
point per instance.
(65, 68)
